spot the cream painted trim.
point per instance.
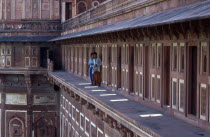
(10, 58)
(42, 111)
(81, 115)
(76, 116)
(69, 128)
(181, 81)
(77, 134)
(73, 107)
(86, 119)
(181, 45)
(94, 3)
(92, 124)
(202, 116)
(158, 100)
(152, 98)
(99, 130)
(73, 129)
(203, 44)
(173, 80)
(36, 65)
(70, 106)
(15, 110)
(141, 93)
(175, 44)
(157, 61)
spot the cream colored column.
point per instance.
(1, 9)
(13, 8)
(51, 9)
(63, 14)
(23, 9)
(40, 9)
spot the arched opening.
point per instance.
(81, 7)
(16, 128)
(95, 3)
(44, 128)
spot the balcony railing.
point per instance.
(103, 10)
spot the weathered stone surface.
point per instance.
(16, 99)
(44, 99)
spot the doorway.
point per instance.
(43, 57)
(166, 75)
(45, 128)
(192, 106)
(68, 10)
(146, 71)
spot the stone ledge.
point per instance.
(127, 113)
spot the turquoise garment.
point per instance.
(91, 63)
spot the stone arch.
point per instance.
(81, 7)
(44, 127)
(16, 127)
(95, 3)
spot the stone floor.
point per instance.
(158, 122)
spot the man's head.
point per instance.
(92, 55)
(95, 54)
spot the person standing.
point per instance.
(91, 65)
(97, 70)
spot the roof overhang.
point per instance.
(195, 11)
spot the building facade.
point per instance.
(154, 52)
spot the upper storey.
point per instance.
(29, 9)
(72, 8)
(113, 11)
(30, 17)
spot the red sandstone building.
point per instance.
(155, 68)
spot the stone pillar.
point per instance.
(74, 8)
(29, 103)
(3, 100)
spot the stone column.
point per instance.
(29, 103)
(3, 100)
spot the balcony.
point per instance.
(140, 119)
(108, 9)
